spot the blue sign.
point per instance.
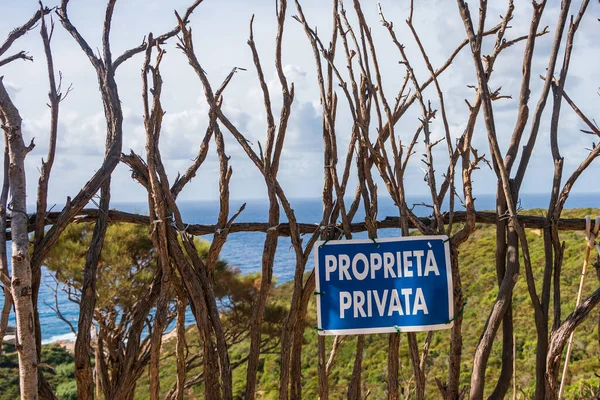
(394, 285)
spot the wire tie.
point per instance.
(448, 239)
(459, 313)
(373, 239)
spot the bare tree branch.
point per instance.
(22, 55)
(158, 39)
(22, 30)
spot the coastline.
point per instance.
(69, 343)
(244, 250)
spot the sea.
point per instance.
(244, 249)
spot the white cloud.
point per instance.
(221, 46)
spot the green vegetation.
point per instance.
(480, 288)
(57, 367)
(126, 268)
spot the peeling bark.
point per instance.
(21, 267)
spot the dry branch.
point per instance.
(17, 33)
(283, 229)
(22, 55)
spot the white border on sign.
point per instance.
(391, 329)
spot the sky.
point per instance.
(221, 29)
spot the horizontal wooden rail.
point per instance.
(482, 217)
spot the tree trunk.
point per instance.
(97, 366)
(4, 315)
(419, 374)
(181, 346)
(196, 284)
(4, 276)
(323, 383)
(354, 389)
(541, 350)
(212, 390)
(296, 363)
(270, 247)
(160, 318)
(453, 389)
(558, 340)
(21, 267)
(393, 366)
(497, 315)
(83, 366)
(507, 322)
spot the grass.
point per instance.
(480, 289)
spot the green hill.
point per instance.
(480, 289)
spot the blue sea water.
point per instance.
(244, 249)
